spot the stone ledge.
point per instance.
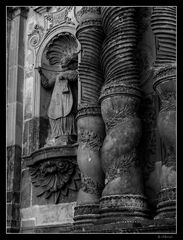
(146, 226)
(49, 215)
(151, 226)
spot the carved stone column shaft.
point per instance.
(120, 99)
(163, 24)
(89, 121)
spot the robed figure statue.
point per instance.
(62, 108)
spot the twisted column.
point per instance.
(120, 98)
(90, 125)
(163, 22)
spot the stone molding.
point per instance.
(86, 109)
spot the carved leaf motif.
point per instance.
(90, 139)
(55, 177)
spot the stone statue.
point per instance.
(62, 108)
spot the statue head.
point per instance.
(70, 61)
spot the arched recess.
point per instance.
(39, 91)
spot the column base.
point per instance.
(166, 207)
(86, 214)
(126, 208)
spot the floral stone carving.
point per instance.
(54, 171)
(54, 177)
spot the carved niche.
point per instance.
(53, 167)
(59, 78)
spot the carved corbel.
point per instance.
(54, 172)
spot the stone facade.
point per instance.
(91, 116)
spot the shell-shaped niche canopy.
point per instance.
(60, 51)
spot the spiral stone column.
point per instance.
(90, 125)
(163, 22)
(122, 197)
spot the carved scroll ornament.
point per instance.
(36, 36)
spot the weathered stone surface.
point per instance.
(13, 168)
(49, 214)
(14, 131)
(117, 227)
(15, 118)
(25, 189)
(28, 95)
(121, 226)
(31, 136)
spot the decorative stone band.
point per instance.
(164, 72)
(86, 109)
(167, 194)
(49, 152)
(88, 13)
(86, 213)
(166, 203)
(125, 202)
(165, 86)
(88, 185)
(120, 117)
(87, 24)
(113, 89)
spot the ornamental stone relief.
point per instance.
(58, 17)
(36, 36)
(55, 177)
